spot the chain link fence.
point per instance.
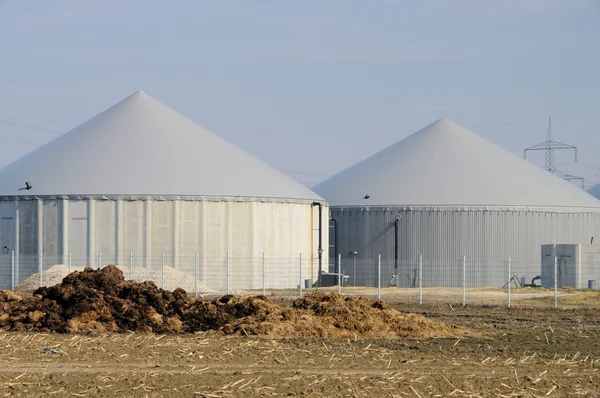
(553, 282)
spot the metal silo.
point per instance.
(446, 194)
(141, 180)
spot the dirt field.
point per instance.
(525, 353)
(122, 338)
(481, 296)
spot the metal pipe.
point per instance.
(555, 281)
(12, 262)
(335, 246)
(379, 277)
(396, 245)
(195, 274)
(421, 279)
(555, 275)
(227, 274)
(464, 284)
(353, 253)
(320, 239)
(264, 291)
(41, 269)
(340, 274)
(509, 280)
(300, 274)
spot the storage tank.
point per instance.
(444, 193)
(140, 181)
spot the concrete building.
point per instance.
(444, 193)
(140, 180)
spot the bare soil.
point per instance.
(524, 353)
(493, 352)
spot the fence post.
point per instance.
(340, 273)
(195, 274)
(130, 265)
(227, 272)
(420, 279)
(379, 277)
(555, 281)
(509, 278)
(41, 267)
(99, 259)
(464, 292)
(264, 288)
(300, 274)
(70, 262)
(12, 265)
(162, 271)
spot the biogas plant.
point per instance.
(141, 184)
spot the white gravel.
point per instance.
(173, 278)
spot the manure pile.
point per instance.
(173, 278)
(102, 301)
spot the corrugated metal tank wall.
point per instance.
(487, 238)
(107, 231)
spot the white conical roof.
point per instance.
(444, 164)
(595, 191)
(142, 148)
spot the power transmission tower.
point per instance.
(550, 146)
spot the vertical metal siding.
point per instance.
(487, 238)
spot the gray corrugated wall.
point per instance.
(486, 237)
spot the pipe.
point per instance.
(396, 227)
(320, 237)
(533, 281)
(335, 244)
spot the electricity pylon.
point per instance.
(550, 146)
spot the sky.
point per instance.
(311, 87)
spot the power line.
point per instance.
(17, 141)
(306, 173)
(28, 126)
(17, 123)
(549, 145)
(35, 120)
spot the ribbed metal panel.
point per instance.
(90, 234)
(486, 237)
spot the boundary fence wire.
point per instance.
(553, 282)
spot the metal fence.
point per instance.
(551, 282)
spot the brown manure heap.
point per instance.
(102, 301)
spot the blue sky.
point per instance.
(311, 87)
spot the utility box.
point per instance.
(576, 264)
(332, 279)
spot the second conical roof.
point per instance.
(444, 164)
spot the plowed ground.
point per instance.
(524, 353)
(99, 335)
